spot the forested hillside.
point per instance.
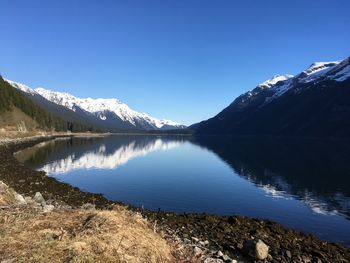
(11, 99)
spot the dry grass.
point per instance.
(11, 120)
(77, 235)
(7, 195)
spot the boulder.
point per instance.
(20, 199)
(28, 199)
(48, 208)
(256, 249)
(39, 198)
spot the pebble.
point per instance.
(226, 258)
(220, 254)
(195, 239)
(88, 206)
(28, 199)
(204, 243)
(48, 208)
(197, 251)
(213, 260)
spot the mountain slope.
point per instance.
(16, 110)
(109, 110)
(106, 114)
(312, 103)
(84, 118)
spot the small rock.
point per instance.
(213, 260)
(28, 199)
(48, 208)
(88, 206)
(195, 239)
(204, 243)
(39, 198)
(269, 257)
(226, 258)
(220, 254)
(187, 241)
(197, 251)
(256, 249)
(20, 199)
(288, 254)
(21, 181)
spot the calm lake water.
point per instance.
(303, 184)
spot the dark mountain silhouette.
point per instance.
(316, 102)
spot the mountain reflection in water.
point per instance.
(64, 155)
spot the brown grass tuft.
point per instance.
(77, 235)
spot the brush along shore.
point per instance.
(35, 230)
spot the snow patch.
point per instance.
(123, 111)
(20, 86)
(273, 81)
(97, 106)
(342, 75)
(317, 70)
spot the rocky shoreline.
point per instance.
(211, 238)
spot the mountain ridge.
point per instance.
(107, 113)
(19, 113)
(288, 106)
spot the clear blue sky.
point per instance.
(182, 59)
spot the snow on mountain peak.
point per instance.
(316, 70)
(319, 66)
(273, 81)
(20, 86)
(99, 106)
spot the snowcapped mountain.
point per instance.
(280, 84)
(21, 87)
(285, 104)
(108, 110)
(108, 113)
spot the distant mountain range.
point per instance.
(315, 102)
(101, 114)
